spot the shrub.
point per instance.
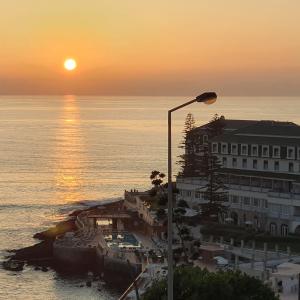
(195, 283)
(160, 213)
(163, 200)
(152, 192)
(182, 203)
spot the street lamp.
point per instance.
(207, 98)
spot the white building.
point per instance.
(261, 168)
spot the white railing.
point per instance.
(284, 195)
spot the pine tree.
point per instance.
(189, 159)
(216, 126)
(214, 191)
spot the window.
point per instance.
(197, 148)
(291, 167)
(205, 138)
(266, 183)
(215, 148)
(244, 149)
(285, 210)
(275, 208)
(246, 200)
(254, 151)
(284, 230)
(256, 202)
(224, 148)
(189, 193)
(245, 163)
(244, 180)
(276, 165)
(244, 218)
(234, 149)
(273, 228)
(224, 161)
(276, 151)
(298, 156)
(197, 195)
(290, 152)
(266, 165)
(265, 151)
(254, 164)
(234, 199)
(255, 181)
(234, 162)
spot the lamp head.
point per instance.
(207, 98)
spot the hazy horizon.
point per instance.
(147, 95)
(158, 48)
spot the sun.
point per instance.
(70, 64)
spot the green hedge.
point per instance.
(195, 284)
(247, 235)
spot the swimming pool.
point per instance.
(122, 240)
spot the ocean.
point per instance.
(60, 153)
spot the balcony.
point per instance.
(284, 195)
(242, 206)
(295, 218)
(279, 215)
(190, 180)
(247, 188)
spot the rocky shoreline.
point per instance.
(42, 252)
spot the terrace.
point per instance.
(122, 240)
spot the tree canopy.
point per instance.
(188, 160)
(194, 283)
(214, 191)
(156, 178)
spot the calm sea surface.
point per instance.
(59, 153)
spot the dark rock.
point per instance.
(75, 213)
(36, 252)
(13, 265)
(37, 268)
(89, 283)
(58, 229)
(82, 285)
(44, 269)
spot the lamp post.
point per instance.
(207, 98)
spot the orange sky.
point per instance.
(157, 47)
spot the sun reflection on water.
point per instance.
(70, 151)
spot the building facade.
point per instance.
(261, 168)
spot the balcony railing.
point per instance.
(247, 188)
(185, 180)
(284, 195)
(295, 218)
(252, 208)
(279, 215)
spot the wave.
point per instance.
(62, 209)
(29, 206)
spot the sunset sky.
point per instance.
(157, 47)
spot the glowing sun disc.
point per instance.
(70, 64)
